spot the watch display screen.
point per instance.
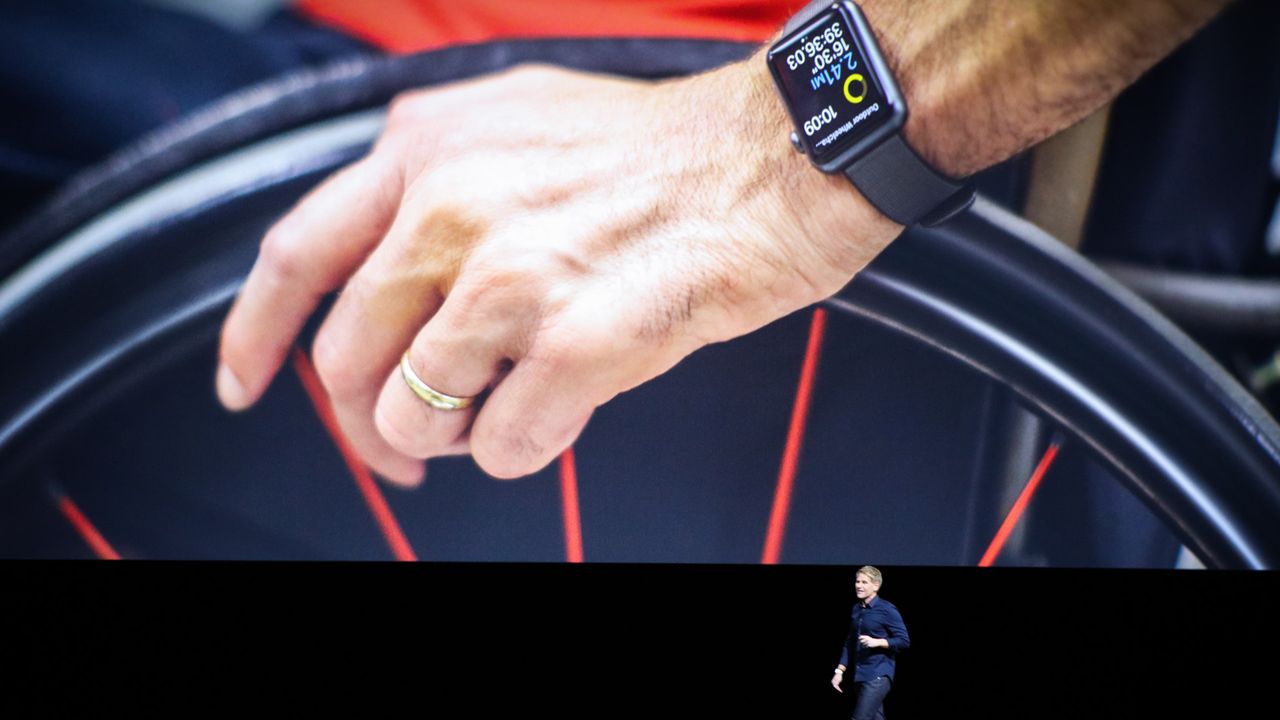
(834, 95)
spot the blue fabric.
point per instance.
(879, 620)
(81, 78)
(871, 695)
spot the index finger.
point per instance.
(307, 254)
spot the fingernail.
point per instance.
(230, 392)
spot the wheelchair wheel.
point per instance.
(964, 361)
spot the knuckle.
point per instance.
(566, 347)
(398, 435)
(391, 146)
(283, 255)
(414, 133)
(556, 352)
(531, 70)
(507, 451)
(525, 69)
(403, 109)
(502, 288)
(339, 369)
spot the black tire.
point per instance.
(125, 278)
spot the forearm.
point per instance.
(982, 81)
(898, 639)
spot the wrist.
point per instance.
(823, 214)
(790, 234)
(849, 114)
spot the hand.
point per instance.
(870, 642)
(835, 681)
(552, 237)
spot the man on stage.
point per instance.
(876, 636)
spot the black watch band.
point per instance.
(900, 184)
(885, 169)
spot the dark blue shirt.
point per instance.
(879, 620)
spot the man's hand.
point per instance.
(836, 679)
(871, 642)
(551, 237)
(558, 238)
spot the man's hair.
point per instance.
(872, 574)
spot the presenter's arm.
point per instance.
(838, 676)
(898, 638)
(559, 238)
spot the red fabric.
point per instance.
(405, 26)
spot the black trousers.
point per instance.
(870, 702)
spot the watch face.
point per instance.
(835, 96)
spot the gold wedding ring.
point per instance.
(433, 397)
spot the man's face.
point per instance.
(864, 588)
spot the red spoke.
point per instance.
(1019, 506)
(86, 530)
(795, 437)
(572, 515)
(364, 481)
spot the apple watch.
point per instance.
(849, 113)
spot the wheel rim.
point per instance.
(937, 286)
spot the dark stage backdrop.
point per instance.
(614, 640)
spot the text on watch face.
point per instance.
(833, 94)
